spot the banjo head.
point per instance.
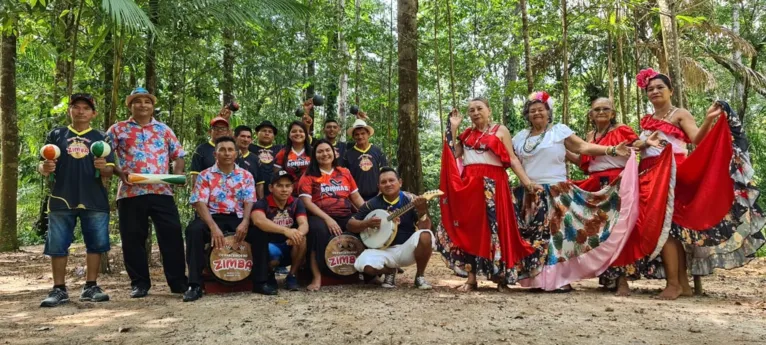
(382, 236)
(232, 263)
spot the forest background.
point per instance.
(405, 62)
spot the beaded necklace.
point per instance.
(527, 148)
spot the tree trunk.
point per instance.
(527, 50)
(150, 66)
(227, 85)
(738, 93)
(408, 153)
(565, 67)
(358, 48)
(310, 66)
(637, 58)
(117, 75)
(62, 36)
(9, 132)
(609, 63)
(670, 42)
(108, 63)
(436, 65)
(451, 56)
(746, 91)
(73, 61)
(511, 75)
(621, 71)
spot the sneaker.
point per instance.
(93, 294)
(389, 282)
(265, 289)
(194, 293)
(282, 270)
(291, 283)
(55, 297)
(139, 292)
(422, 284)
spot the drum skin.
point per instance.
(381, 237)
(341, 253)
(232, 263)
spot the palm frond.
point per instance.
(741, 72)
(737, 41)
(127, 14)
(696, 76)
(236, 13)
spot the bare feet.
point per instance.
(623, 289)
(687, 291)
(468, 287)
(315, 284)
(670, 293)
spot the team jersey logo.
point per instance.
(77, 149)
(333, 188)
(300, 162)
(365, 162)
(282, 218)
(265, 157)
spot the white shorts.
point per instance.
(400, 255)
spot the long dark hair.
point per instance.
(313, 169)
(289, 143)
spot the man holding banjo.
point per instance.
(402, 243)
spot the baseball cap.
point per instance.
(88, 98)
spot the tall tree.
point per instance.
(565, 54)
(527, 49)
(670, 43)
(9, 132)
(408, 152)
(621, 65)
(227, 84)
(150, 65)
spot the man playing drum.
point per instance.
(222, 195)
(284, 218)
(410, 244)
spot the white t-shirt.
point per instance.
(546, 164)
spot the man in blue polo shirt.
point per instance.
(77, 193)
(204, 154)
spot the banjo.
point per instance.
(381, 237)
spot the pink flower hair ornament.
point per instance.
(642, 78)
(542, 96)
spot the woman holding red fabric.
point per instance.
(705, 221)
(479, 233)
(605, 170)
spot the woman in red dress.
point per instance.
(479, 233)
(708, 199)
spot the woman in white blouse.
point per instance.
(560, 220)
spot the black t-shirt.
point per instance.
(365, 168)
(76, 185)
(265, 155)
(287, 217)
(250, 163)
(408, 220)
(203, 157)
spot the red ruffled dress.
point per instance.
(478, 218)
(605, 170)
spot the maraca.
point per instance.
(50, 152)
(354, 109)
(100, 149)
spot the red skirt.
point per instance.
(594, 182)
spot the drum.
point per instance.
(341, 253)
(232, 263)
(382, 236)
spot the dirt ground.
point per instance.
(732, 311)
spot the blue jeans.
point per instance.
(280, 252)
(61, 224)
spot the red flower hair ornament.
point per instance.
(642, 78)
(542, 96)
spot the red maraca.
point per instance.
(50, 152)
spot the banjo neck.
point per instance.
(400, 211)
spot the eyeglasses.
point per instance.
(601, 110)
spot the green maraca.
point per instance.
(100, 149)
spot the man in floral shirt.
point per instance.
(146, 146)
(223, 197)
